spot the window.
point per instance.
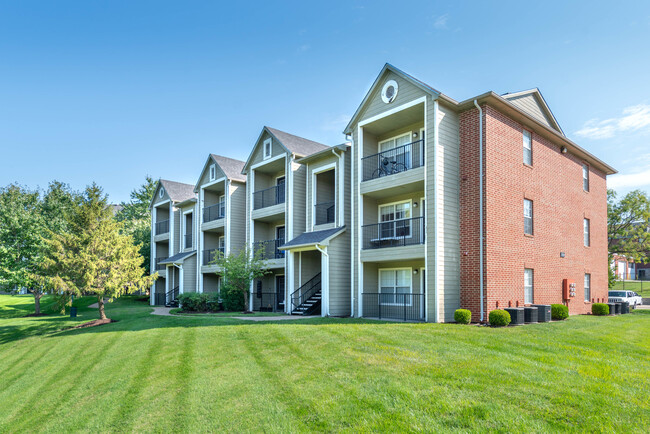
(393, 282)
(213, 172)
(267, 148)
(222, 206)
(188, 230)
(587, 287)
(528, 217)
(585, 177)
(586, 232)
(528, 148)
(222, 244)
(161, 193)
(528, 285)
(395, 220)
(401, 155)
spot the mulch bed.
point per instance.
(94, 323)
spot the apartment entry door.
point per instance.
(279, 291)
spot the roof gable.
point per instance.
(174, 191)
(533, 103)
(375, 89)
(291, 144)
(225, 167)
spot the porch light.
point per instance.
(415, 204)
(563, 149)
(415, 134)
(415, 271)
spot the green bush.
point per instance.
(195, 302)
(600, 309)
(463, 316)
(499, 318)
(559, 312)
(234, 300)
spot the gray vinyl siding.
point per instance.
(257, 155)
(448, 217)
(238, 217)
(339, 275)
(177, 230)
(529, 104)
(157, 199)
(205, 175)
(189, 274)
(298, 195)
(406, 92)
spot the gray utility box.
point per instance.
(612, 308)
(543, 312)
(516, 315)
(530, 315)
(625, 307)
(618, 308)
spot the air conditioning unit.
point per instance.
(543, 312)
(516, 315)
(612, 308)
(530, 315)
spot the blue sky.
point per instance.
(111, 91)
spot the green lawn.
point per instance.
(208, 373)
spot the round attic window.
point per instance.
(161, 193)
(389, 92)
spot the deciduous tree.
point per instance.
(237, 273)
(627, 224)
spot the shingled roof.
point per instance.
(177, 191)
(297, 145)
(231, 167)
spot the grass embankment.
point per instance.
(156, 373)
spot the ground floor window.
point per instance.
(393, 282)
(587, 287)
(528, 285)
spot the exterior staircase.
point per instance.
(172, 298)
(306, 300)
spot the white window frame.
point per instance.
(410, 138)
(529, 135)
(219, 246)
(161, 192)
(184, 229)
(222, 200)
(268, 142)
(586, 231)
(314, 189)
(532, 217)
(585, 177)
(395, 269)
(410, 202)
(213, 172)
(588, 287)
(531, 299)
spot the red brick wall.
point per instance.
(554, 184)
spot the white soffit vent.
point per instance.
(389, 91)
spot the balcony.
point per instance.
(210, 254)
(269, 249)
(268, 197)
(404, 307)
(162, 227)
(324, 213)
(393, 161)
(214, 212)
(158, 265)
(395, 233)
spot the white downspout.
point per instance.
(480, 201)
(325, 281)
(340, 199)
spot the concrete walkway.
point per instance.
(275, 318)
(162, 311)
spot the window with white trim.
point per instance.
(222, 206)
(392, 283)
(528, 147)
(395, 220)
(585, 225)
(402, 152)
(587, 287)
(528, 217)
(213, 172)
(161, 193)
(528, 286)
(222, 244)
(585, 177)
(268, 148)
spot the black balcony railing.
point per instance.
(188, 241)
(269, 249)
(324, 212)
(264, 301)
(214, 212)
(395, 233)
(160, 266)
(392, 161)
(210, 254)
(268, 197)
(405, 307)
(162, 227)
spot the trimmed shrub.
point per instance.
(600, 309)
(195, 302)
(234, 300)
(559, 312)
(463, 316)
(499, 318)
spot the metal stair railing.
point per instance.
(305, 292)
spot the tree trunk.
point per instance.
(100, 303)
(37, 302)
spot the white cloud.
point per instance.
(632, 119)
(629, 180)
(336, 123)
(441, 21)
